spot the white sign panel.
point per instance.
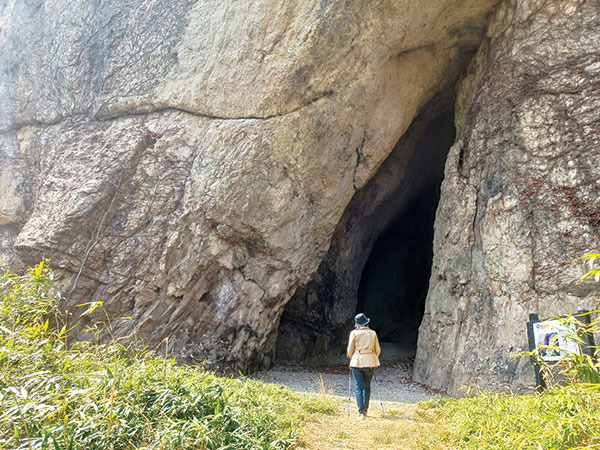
(557, 334)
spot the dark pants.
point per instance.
(362, 383)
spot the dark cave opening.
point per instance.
(380, 257)
(395, 279)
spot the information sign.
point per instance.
(555, 339)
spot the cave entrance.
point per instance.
(395, 280)
(379, 260)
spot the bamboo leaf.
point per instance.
(92, 307)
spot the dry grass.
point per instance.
(401, 428)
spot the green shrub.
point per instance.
(89, 396)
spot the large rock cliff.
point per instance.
(186, 162)
(521, 194)
(191, 164)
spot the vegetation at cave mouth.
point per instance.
(90, 396)
(93, 396)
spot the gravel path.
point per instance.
(393, 384)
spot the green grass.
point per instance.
(562, 418)
(89, 396)
(112, 397)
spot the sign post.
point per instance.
(540, 384)
(583, 315)
(554, 338)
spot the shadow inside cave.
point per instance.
(395, 279)
(380, 257)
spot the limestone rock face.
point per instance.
(187, 162)
(521, 194)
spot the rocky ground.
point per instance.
(393, 379)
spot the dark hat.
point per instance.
(361, 320)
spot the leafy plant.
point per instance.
(89, 396)
(590, 258)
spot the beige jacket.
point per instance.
(363, 348)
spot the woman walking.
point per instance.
(363, 352)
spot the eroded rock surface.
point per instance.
(521, 195)
(187, 162)
(316, 321)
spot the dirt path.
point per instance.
(402, 428)
(393, 381)
(393, 421)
